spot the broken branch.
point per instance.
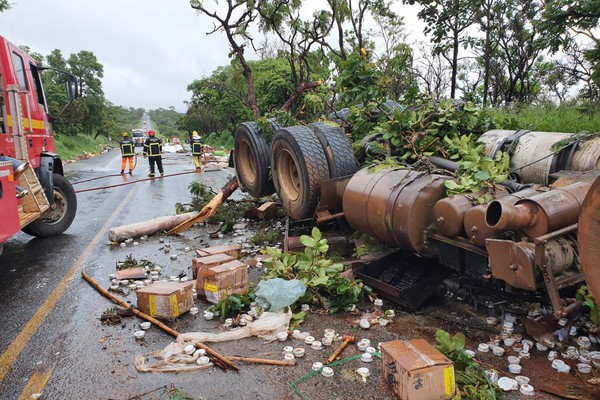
(210, 208)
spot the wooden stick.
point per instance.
(210, 208)
(213, 353)
(347, 339)
(263, 361)
(156, 322)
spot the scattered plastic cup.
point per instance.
(288, 357)
(194, 310)
(522, 379)
(145, 325)
(288, 349)
(584, 368)
(505, 383)
(327, 372)
(189, 349)
(514, 360)
(498, 351)
(515, 368)
(483, 348)
(299, 352)
(364, 323)
(316, 345)
(309, 339)
(203, 360)
(363, 372)
(282, 336)
(509, 341)
(139, 334)
(526, 390)
(317, 365)
(366, 357)
(208, 315)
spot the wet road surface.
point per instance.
(53, 342)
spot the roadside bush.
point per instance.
(567, 117)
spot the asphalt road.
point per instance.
(49, 320)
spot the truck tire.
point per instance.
(299, 166)
(61, 214)
(252, 161)
(337, 148)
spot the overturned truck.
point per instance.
(538, 234)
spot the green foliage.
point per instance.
(218, 140)
(476, 171)
(359, 80)
(470, 377)
(568, 117)
(71, 147)
(326, 286)
(586, 297)
(281, 117)
(234, 304)
(420, 130)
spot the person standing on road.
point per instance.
(153, 150)
(127, 152)
(196, 150)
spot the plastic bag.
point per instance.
(275, 294)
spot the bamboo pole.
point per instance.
(263, 361)
(142, 315)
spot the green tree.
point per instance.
(566, 20)
(4, 5)
(447, 21)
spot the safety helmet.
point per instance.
(125, 134)
(194, 133)
(151, 132)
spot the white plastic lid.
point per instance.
(505, 383)
(526, 389)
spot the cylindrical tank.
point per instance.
(540, 214)
(449, 213)
(474, 224)
(587, 156)
(493, 140)
(587, 239)
(393, 205)
(533, 159)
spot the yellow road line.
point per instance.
(36, 384)
(16, 347)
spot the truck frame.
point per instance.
(49, 203)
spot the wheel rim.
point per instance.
(246, 163)
(58, 210)
(288, 173)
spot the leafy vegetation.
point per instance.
(325, 284)
(586, 297)
(470, 377)
(234, 304)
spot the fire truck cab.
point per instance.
(34, 195)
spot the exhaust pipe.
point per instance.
(540, 214)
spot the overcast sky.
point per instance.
(150, 49)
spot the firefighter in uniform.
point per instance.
(153, 149)
(127, 152)
(196, 150)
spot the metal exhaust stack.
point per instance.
(589, 239)
(540, 214)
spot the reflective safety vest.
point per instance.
(127, 148)
(196, 147)
(153, 147)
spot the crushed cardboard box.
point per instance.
(209, 261)
(166, 300)
(415, 370)
(215, 283)
(233, 250)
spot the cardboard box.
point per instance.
(415, 370)
(215, 283)
(234, 250)
(166, 300)
(209, 261)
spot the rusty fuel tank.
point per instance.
(449, 213)
(514, 262)
(588, 239)
(475, 228)
(393, 205)
(540, 214)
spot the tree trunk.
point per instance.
(454, 65)
(303, 87)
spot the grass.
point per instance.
(71, 147)
(549, 118)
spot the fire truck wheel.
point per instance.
(60, 215)
(299, 166)
(251, 161)
(338, 149)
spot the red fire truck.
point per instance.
(35, 197)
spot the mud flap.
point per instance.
(44, 174)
